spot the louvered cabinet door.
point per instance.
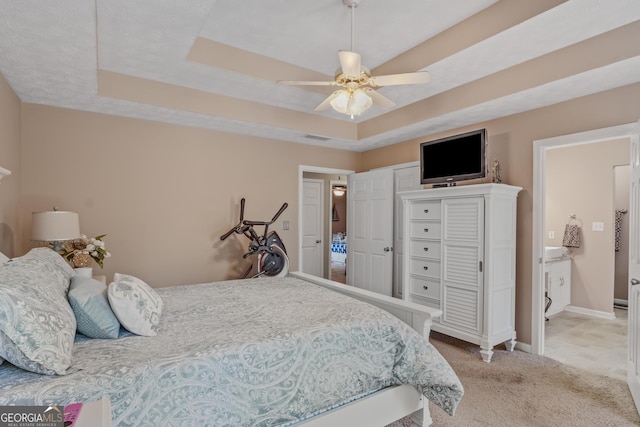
(462, 278)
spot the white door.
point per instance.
(370, 235)
(405, 179)
(633, 368)
(312, 226)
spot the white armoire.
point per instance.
(459, 250)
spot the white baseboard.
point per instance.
(592, 313)
(620, 302)
(523, 347)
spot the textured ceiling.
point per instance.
(203, 57)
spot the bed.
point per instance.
(339, 243)
(295, 350)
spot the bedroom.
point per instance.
(163, 192)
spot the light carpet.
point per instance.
(520, 389)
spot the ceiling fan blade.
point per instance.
(401, 79)
(305, 83)
(327, 102)
(379, 99)
(350, 63)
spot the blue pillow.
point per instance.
(94, 317)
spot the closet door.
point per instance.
(370, 230)
(462, 255)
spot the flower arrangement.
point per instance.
(80, 252)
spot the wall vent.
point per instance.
(317, 137)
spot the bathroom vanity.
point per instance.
(557, 279)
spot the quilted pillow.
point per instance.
(136, 305)
(94, 317)
(37, 325)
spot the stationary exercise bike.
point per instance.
(272, 259)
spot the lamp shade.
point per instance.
(351, 102)
(55, 226)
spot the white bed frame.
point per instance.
(390, 404)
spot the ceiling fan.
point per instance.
(358, 86)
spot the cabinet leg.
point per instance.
(486, 353)
(510, 344)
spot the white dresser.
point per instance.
(460, 249)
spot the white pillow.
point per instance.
(136, 305)
(3, 258)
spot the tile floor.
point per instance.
(597, 345)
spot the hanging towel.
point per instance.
(571, 236)
(618, 227)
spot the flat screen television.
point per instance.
(454, 158)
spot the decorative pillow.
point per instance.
(136, 305)
(94, 317)
(37, 324)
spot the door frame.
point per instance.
(313, 169)
(539, 194)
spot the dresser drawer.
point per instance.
(425, 267)
(425, 288)
(425, 248)
(425, 210)
(425, 230)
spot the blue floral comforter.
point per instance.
(254, 352)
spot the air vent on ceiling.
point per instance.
(317, 137)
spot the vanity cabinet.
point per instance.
(558, 278)
(459, 244)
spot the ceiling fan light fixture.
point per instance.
(339, 190)
(351, 102)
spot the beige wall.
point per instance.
(511, 141)
(10, 125)
(580, 181)
(162, 193)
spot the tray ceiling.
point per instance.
(214, 64)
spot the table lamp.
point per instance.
(55, 226)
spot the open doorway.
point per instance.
(331, 178)
(338, 252)
(587, 222)
(582, 327)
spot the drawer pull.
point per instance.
(426, 211)
(426, 267)
(426, 230)
(425, 287)
(426, 249)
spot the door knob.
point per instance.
(318, 241)
(387, 249)
(635, 282)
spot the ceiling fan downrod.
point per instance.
(352, 4)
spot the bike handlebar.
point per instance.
(275, 217)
